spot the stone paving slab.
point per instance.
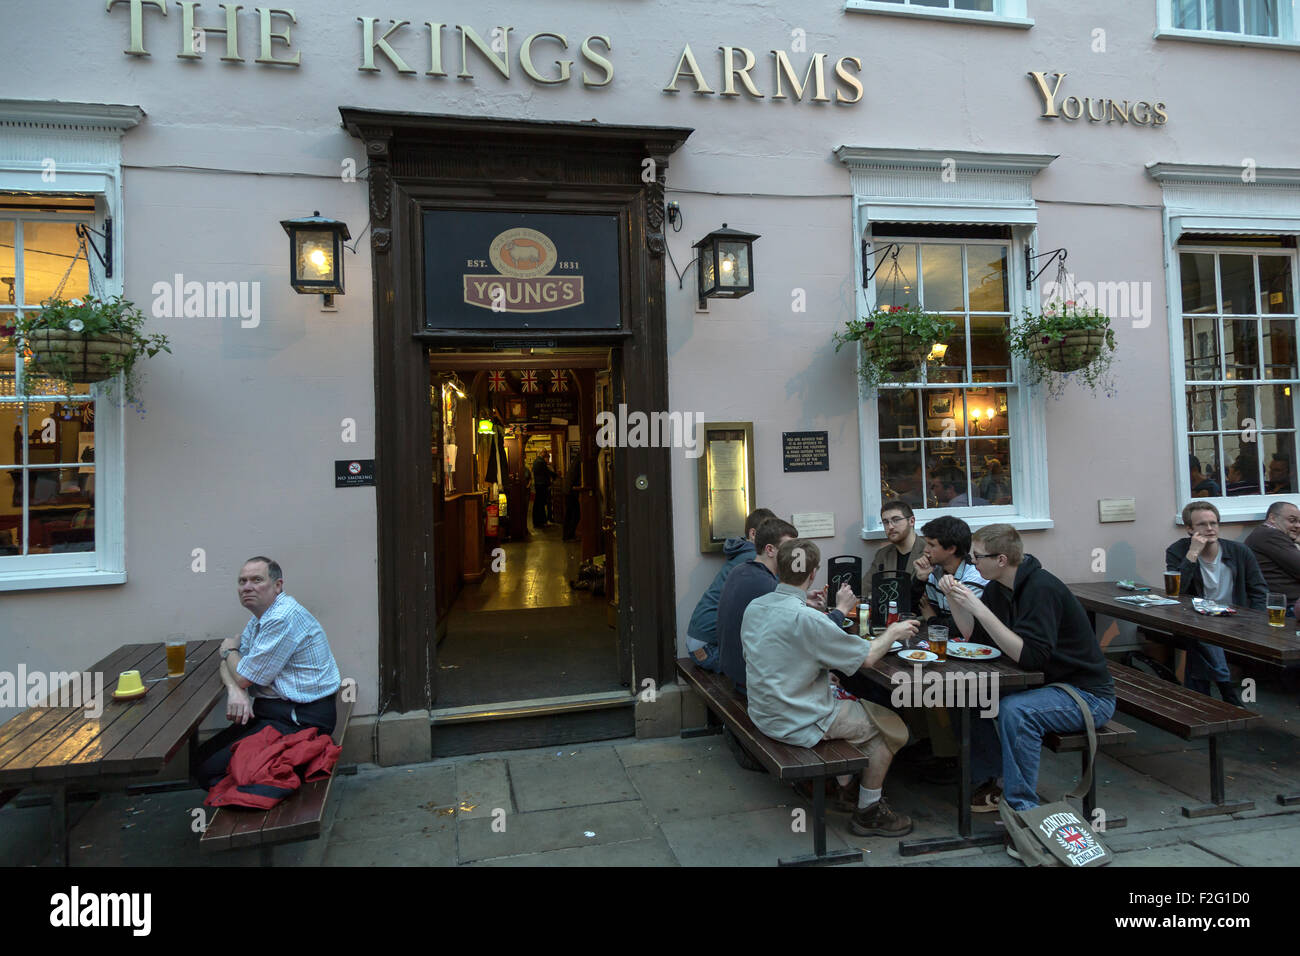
(1179, 854)
(544, 830)
(378, 790)
(709, 786)
(668, 749)
(652, 852)
(482, 785)
(1261, 848)
(568, 778)
(436, 847)
(753, 838)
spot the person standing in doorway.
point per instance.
(543, 475)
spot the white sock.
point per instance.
(844, 779)
(867, 797)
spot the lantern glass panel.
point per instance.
(314, 256)
(708, 275)
(733, 264)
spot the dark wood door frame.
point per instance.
(418, 161)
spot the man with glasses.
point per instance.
(1274, 546)
(1222, 571)
(1032, 617)
(904, 547)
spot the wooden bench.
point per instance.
(295, 818)
(1113, 734)
(1186, 714)
(831, 758)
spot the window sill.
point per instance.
(37, 580)
(1018, 522)
(928, 13)
(1227, 39)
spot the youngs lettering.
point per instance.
(1097, 109)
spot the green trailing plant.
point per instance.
(88, 340)
(895, 341)
(1066, 342)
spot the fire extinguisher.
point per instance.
(491, 521)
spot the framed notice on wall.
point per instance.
(726, 480)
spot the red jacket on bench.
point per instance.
(268, 766)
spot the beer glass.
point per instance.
(937, 636)
(1173, 582)
(1276, 605)
(175, 655)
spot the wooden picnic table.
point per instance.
(1246, 633)
(61, 748)
(1004, 675)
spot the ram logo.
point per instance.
(522, 253)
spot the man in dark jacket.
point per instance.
(1032, 617)
(702, 631)
(1220, 570)
(1274, 546)
(748, 581)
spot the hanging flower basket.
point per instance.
(1069, 352)
(897, 351)
(87, 340)
(1065, 339)
(78, 357)
(895, 342)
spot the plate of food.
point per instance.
(973, 652)
(917, 657)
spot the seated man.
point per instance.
(1220, 570)
(1274, 546)
(702, 631)
(790, 649)
(283, 657)
(903, 549)
(1202, 487)
(947, 544)
(1035, 621)
(948, 487)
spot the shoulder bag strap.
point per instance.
(1085, 781)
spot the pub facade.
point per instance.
(590, 264)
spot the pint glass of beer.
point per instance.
(937, 637)
(1173, 583)
(1276, 605)
(175, 655)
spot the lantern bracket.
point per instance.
(106, 257)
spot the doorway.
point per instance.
(528, 612)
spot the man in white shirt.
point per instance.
(790, 649)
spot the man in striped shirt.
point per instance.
(279, 672)
(947, 545)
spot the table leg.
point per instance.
(1288, 799)
(964, 838)
(59, 824)
(1218, 804)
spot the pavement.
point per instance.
(675, 802)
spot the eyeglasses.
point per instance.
(897, 519)
(979, 557)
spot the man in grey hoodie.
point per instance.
(702, 631)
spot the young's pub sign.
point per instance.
(502, 270)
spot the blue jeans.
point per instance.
(1205, 663)
(1023, 719)
(712, 660)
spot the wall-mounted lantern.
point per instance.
(726, 264)
(316, 254)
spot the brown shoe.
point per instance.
(986, 797)
(879, 819)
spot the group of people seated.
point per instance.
(1242, 477)
(781, 645)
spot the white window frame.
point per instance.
(1006, 13)
(1215, 199)
(909, 186)
(84, 142)
(1288, 37)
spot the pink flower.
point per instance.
(1047, 340)
(870, 326)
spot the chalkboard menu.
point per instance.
(806, 451)
(543, 408)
